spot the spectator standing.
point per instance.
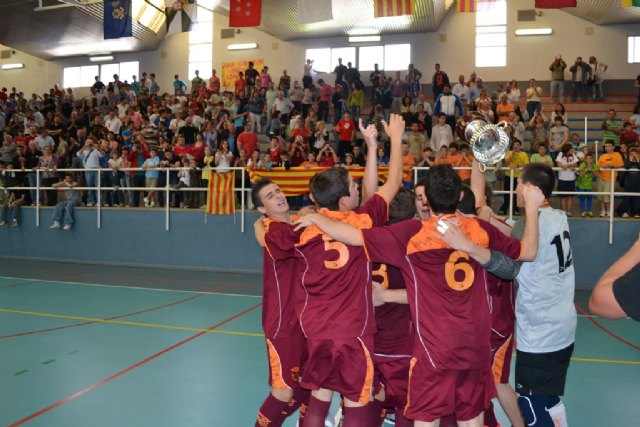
(438, 81)
(325, 97)
(461, 90)
(397, 92)
(557, 68)
(340, 71)
(63, 212)
(609, 160)
(597, 77)
(558, 137)
(632, 183)
(352, 75)
(441, 135)
(533, 98)
(587, 174)
(355, 101)
(514, 160)
(346, 129)
(307, 77)
(449, 104)
(612, 128)
(580, 73)
(567, 162)
(251, 78)
(179, 86)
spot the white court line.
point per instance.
(129, 287)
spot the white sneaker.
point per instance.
(55, 224)
(625, 215)
(89, 205)
(67, 227)
(146, 201)
(3, 223)
(152, 204)
(14, 223)
(602, 214)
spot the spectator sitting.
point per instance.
(63, 212)
(629, 136)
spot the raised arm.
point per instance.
(370, 181)
(339, 231)
(478, 184)
(395, 130)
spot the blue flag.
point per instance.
(117, 19)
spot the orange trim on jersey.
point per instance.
(498, 361)
(348, 217)
(424, 240)
(367, 387)
(411, 366)
(364, 246)
(277, 380)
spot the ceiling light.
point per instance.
(534, 32)
(101, 58)
(12, 66)
(361, 39)
(242, 46)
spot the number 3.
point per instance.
(451, 267)
(343, 254)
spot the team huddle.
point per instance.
(414, 316)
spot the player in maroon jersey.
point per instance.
(450, 369)
(336, 314)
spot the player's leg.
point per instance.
(270, 413)
(356, 414)
(557, 411)
(378, 411)
(509, 402)
(281, 392)
(478, 421)
(319, 405)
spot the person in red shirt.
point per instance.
(181, 148)
(327, 156)
(301, 130)
(346, 129)
(298, 151)
(275, 150)
(247, 139)
(325, 97)
(336, 312)
(240, 85)
(284, 338)
(450, 368)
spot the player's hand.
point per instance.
(453, 236)
(307, 210)
(305, 221)
(532, 196)
(370, 134)
(378, 294)
(395, 127)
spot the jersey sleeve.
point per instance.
(388, 245)
(280, 240)
(626, 290)
(498, 241)
(377, 208)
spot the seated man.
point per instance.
(63, 212)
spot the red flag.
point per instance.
(466, 6)
(382, 8)
(221, 199)
(245, 13)
(555, 4)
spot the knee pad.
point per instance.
(534, 411)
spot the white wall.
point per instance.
(526, 57)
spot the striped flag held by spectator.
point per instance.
(220, 195)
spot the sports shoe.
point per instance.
(146, 201)
(3, 223)
(152, 204)
(625, 215)
(569, 213)
(55, 224)
(636, 216)
(89, 205)
(590, 213)
(583, 214)
(14, 223)
(602, 214)
(67, 227)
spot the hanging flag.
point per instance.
(245, 13)
(117, 19)
(383, 8)
(630, 3)
(221, 199)
(310, 11)
(466, 6)
(555, 4)
(180, 16)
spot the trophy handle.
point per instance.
(482, 167)
(502, 124)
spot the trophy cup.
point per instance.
(489, 142)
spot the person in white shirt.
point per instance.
(441, 134)
(112, 122)
(462, 90)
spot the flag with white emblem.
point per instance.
(245, 13)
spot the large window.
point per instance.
(84, 76)
(200, 40)
(391, 57)
(633, 43)
(491, 34)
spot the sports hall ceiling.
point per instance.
(77, 31)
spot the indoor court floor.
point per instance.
(86, 345)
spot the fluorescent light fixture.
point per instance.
(534, 32)
(101, 58)
(242, 46)
(12, 66)
(363, 32)
(361, 39)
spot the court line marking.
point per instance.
(126, 323)
(617, 362)
(130, 287)
(120, 316)
(130, 368)
(609, 332)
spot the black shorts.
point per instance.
(566, 186)
(542, 374)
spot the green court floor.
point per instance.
(113, 346)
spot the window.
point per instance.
(200, 37)
(348, 54)
(107, 71)
(368, 56)
(633, 43)
(397, 57)
(84, 76)
(321, 59)
(491, 34)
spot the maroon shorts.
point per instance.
(286, 358)
(501, 351)
(341, 365)
(436, 393)
(392, 375)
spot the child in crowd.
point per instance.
(632, 183)
(567, 162)
(587, 173)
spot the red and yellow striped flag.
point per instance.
(221, 199)
(383, 8)
(295, 181)
(466, 5)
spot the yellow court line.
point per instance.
(619, 362)
(122, 322)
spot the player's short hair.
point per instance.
(329, 186)
(443, 189)
(255, 192)
(402, 207)
(468, 203)
(540, 175)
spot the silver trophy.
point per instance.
(489, 142)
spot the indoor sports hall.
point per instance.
(147, 309)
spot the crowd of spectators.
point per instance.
(266, 122)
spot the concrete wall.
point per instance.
(139, 238)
